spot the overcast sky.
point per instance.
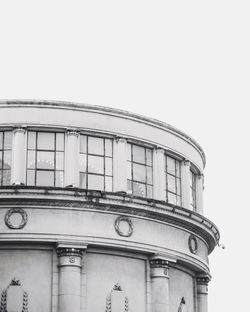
(184, 62)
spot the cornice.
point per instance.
(23, 196)
(109, 111)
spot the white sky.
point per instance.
(183, 62)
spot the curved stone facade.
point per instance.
(101, 210)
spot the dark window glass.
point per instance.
(140, 170)
(45, 159)
(5, 157)
(173, 175)
(96, 163)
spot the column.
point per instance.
(202, 283)
(185, 184)
(159, 283)
(18, 174)
(199, 193)
(159, 174)
(70, 263)
(72, 159)
(120, 165)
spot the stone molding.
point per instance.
(111, 202)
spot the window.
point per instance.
(45, 159)
(173, 187)
(96, 163)
(5, 157)
(193, 178)
(140, 170)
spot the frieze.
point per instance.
(9, 215)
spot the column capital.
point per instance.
(74, 132)
(200, 176)
(159, 150)
(158, 261)
(119, 139)
(70, 254)
(20, 129)
(203, 279)
(186, 162)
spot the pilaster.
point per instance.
(185, 184)
(202, 292)
(160, 283)
(70, 264)
(18, 174)
(72, 159)
(120, 165)
(159, 182)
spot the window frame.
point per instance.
(104, 156)
(176, 178)
(146, 166)
(36, 150)
(3, 150)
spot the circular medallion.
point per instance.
(124, 226)
(193, 244)
(16, 218)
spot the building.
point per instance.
(101, 210)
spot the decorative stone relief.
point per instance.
(193, 244)
(16, 218)
(117, 301)
(124, 226)
(14, 298)
(183, 302)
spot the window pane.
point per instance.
(108, 184)
(60, 141)
(7, 159)
(95, 146)
(129, 186)
(1, 160)
(178, 182)
(139, 154)
(7, 140)
(44, 178)
(83, 144)
(149, 191)
(31, 140)
(30, 177)
(46, 141)
(6, 177)
(95, 164)
(45, 160)
(83, 180)
(172, 199)
(139, 173)
(170, 165)
(59, 179)
(171, 183)
(59, 161)
(149, 175)
(31, 159)
(178, 169)
(108, 147)
(178, 201)
(139, 189)
(108, 166)
(95, 182)
(1, 140)
(129, 152)
(149, 157)
(129, 173)
(83, 162)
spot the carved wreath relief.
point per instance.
(16, 223)
(14, 298)
(124, 226)
(193, 244)
(117, 301)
